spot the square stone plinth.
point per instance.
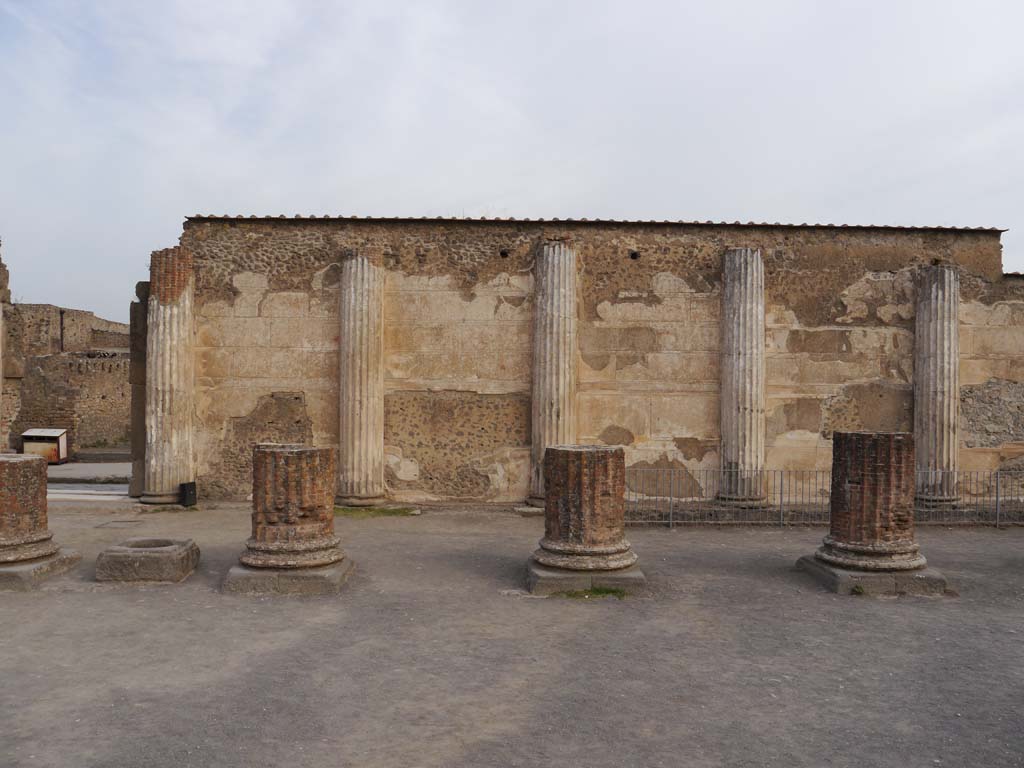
(844, 581)
(148, 559)
(542, 580)
(21, 577)
(324, 580)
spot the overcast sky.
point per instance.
(118, 119)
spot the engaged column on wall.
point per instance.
(169, 377)
(556, 280)
(742, 403)
(361, 384)
(937, 385)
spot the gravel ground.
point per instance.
(433, 656)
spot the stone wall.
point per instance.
(43, 341)
(458, 306)
(86, 393)
(992, 374)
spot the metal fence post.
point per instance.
(782, 497)
(997, 499)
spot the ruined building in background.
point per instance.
(63, 368)
(442, 355)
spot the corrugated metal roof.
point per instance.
(513, 220)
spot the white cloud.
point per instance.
(120, 118)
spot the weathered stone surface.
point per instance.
(844, 581)
(169, 377)
(28, 574)
(24, 534)
(361, 405)
(148, 559)
(743, 376)
(28, 553)
(992, 413)
(872, 503)
(292, 508)
(937, 385)
(584, 512)
(554, 356)
(542, 580)
(459, 314)
(322, 580)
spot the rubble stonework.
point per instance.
(554, 356)
(743, 376)
(169, 377)
(460, 306)
(28, 552)
(585, 509)
(292, 508)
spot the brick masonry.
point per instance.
(292, 508)
(584, 509)
(24, 534)
(872, 503)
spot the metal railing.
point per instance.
(664, 496)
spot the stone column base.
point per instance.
(26, 575)
(360, 501)
(325, 580)
(845, 581)
(160, 498)
(543, 580)
(891, 556)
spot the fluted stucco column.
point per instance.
(556, 281)
(169, 377)
(742, 400)
(361, 390)
(937, 384)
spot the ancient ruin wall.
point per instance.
(36, 331)
(86, 393)
(458, 311)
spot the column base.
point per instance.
(611, 560)
(936, 502)
(744, 502)
(543, 580)
(890, 556)
(160, 498)
(845, 581)
(26, 575)
(360, 501)
(325, 580)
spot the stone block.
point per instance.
(844, 581)
(542, 580)
(27, 574)
(324, 580)
(147, 559)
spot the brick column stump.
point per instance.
(293, 549)
(28, 553)
(870, 547)
(584, 545)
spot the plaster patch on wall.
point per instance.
(613, 434)
(885, 297)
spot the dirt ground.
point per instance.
(432, 656)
